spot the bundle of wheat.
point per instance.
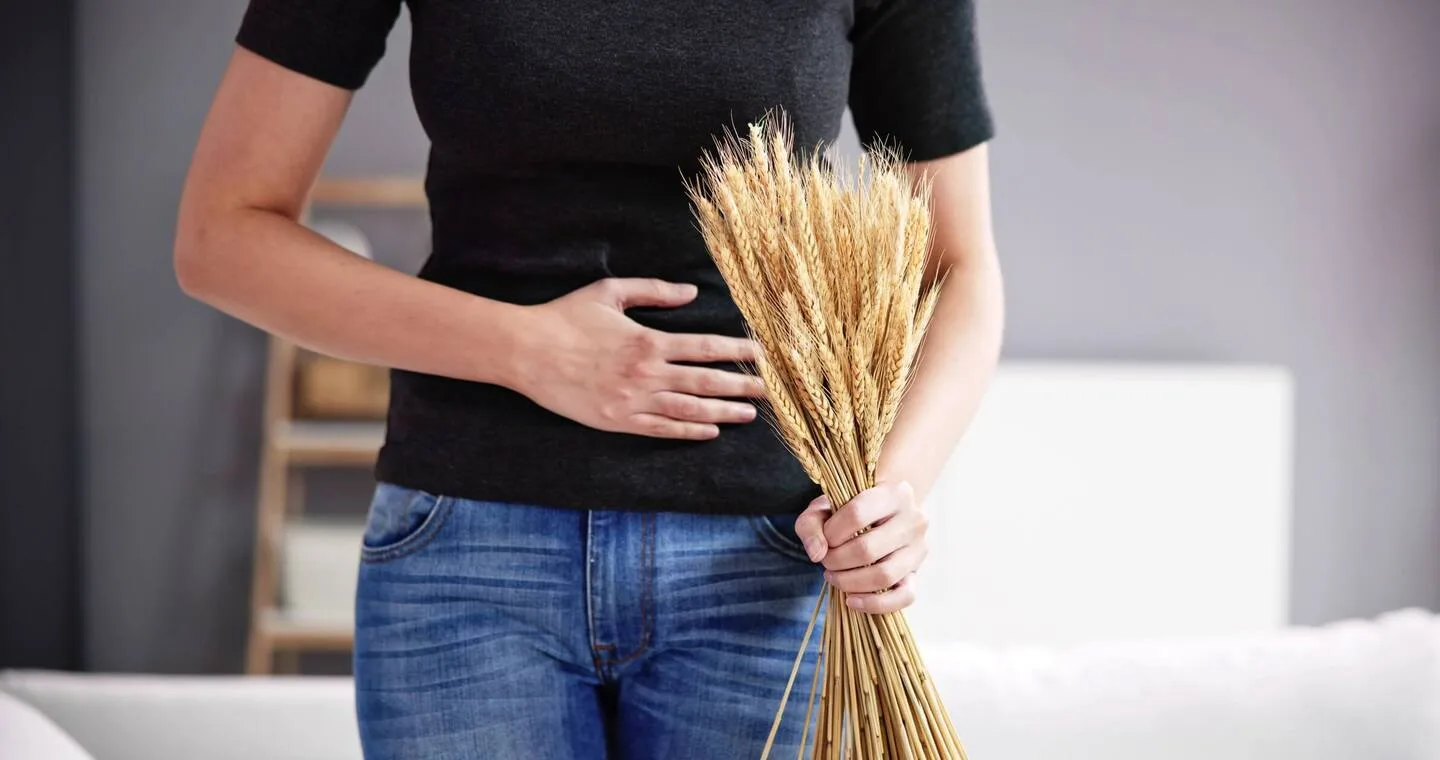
(829, 272)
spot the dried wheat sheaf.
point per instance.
(829, 272)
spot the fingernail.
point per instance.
(688, 290)
(852, 602)
(830, 577)
(815, 548)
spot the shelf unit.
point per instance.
(289, 446)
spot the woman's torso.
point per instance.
(561, 132)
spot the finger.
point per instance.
(687, 408)
(660, 426)
(810, 527)
(626, 292)
(715, 383)
(881, 575)
(688, 347)
(872, 546)
(873, 505)
(894, 600)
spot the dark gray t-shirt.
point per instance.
(560, 132)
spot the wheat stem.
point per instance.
(829, 273)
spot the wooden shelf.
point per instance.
(328, 443)
(386, 192)
(301, 616)
(291, 632)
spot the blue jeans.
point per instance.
(511, 632)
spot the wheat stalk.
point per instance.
(829, 274)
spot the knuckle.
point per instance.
(685, 407)
(810, 526)
(870, 551)
(806, 528)
(611, 412)
(711, 385)
(719, 348)
(922, 523)
(865, 509)
(891, 502)
(645, 342)
(707, 348)
(855, 522)
(640, 368)
(892, 573)
(639, 339)
(841, 528)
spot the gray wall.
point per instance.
(1228, 181)
(1246, 181)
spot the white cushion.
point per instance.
(1344, 691)
(121, 717)
(26, 734)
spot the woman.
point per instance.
(582, 541)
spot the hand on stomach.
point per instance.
(585, 359)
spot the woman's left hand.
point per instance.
(875, 568)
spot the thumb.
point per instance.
(810, 527)
(627, 292)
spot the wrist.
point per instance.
(507, 344)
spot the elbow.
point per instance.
(189, 263)
(195, 258)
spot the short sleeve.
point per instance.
(915, 80)
(335, 41)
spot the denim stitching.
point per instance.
(772, 536)
(596, 646)
(439, 515)
(647, 561)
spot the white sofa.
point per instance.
(1360, 689)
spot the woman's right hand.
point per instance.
(585, 359)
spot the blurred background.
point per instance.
(1240, 190)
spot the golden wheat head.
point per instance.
(828, 270)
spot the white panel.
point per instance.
(1094, 501)
(318, 571)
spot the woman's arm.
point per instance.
(963, 344)
(958, 356)
(240, 247)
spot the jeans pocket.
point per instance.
(401, 521)
(778, 533)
